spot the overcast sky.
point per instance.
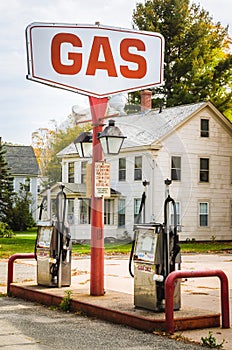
(26, 106)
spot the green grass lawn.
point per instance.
(24, 242)
(206, 247)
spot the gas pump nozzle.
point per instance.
(173, 250)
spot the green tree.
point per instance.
(21, 217)
(6, 187)
(60, 140)
(198, 64)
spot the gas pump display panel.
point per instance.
(146, 245)
(44, 237)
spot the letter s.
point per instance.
(141, 71)
(56, 54)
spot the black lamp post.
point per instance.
(111, 139)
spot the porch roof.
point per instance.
(75, 189)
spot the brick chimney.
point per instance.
(146, 100)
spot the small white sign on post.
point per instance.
(102, 180)
(94, 60)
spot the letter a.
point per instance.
(94, 62)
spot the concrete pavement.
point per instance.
(199, 293)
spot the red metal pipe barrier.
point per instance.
(11, 260)
(169, 295)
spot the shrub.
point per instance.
(5, 231)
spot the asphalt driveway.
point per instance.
(26, 326)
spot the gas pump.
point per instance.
(155, 253)
(53, 246)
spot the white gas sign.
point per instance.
(94, 60)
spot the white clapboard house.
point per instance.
(24, 168)
(189, 144)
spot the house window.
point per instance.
(27, 185)
(108, 211)
(204, 128)
(122, 169)
(121, 212)
(83, 172)
(204, 169)
(177, 214)
(138, 168)
(70, 211)
(71, 172)
(203, 214)
(137, 202)
(176, 168)
(84, 209)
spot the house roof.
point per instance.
(149, 127)
(70, 149)
(143, 129)
(21, 160)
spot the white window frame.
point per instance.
(137, 203)
(138, 170)
(201, 170)
(201, 213)
(177, 170)
(178, 214)
(121, 170)
(84, 211)
(122, 211)
(71, 174)
(204, 132)
(70, 211)
(108, 211)
(83, 172)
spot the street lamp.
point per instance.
(111, 139)
(83, 144)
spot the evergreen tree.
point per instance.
(6, 187)
(198, 64)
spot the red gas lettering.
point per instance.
(100, 45)
(56, 54)
(94, 62)
(140, 72)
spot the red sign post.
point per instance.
(98, 109)
(97, 61)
